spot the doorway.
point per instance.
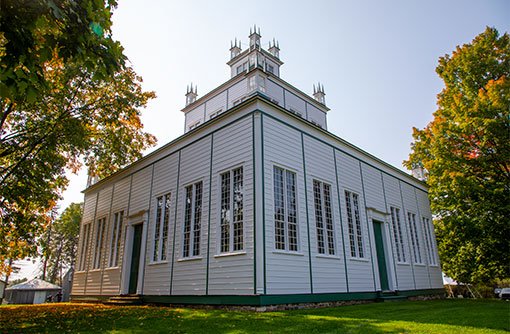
(381, 256)
(135, 258)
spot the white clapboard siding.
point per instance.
(404, 272)
(232, 149)
(421, 276)
(328, 270)
(360, 273)
(374, 196)
(79, 278)
(157, 274)
(140, 191)
(295, 104)
(194, 116)
(275, 92)
(237, 91)
(286, 273)
(215, 104)
(316, 116)
(435, 273)
(189, 275)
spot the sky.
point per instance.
(376, 59)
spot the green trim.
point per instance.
(262, 300)
(89, 298)
(90, 243)
(147, 228)
(343, 142)
(368, 225)
(422, 292)
(209, 218)
(263, 198)
(408, 232)
(390, 236)
(254, 166)
(122, 278)
(420, 223)
(307, 215)
(341, 223)
(108, 238)
(175, 220)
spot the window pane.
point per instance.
(318, 216)
(238, 210)
(157, 227)
(225, 212)
(329, 219)
(187, 222)
(279, 209)
(166, 221)
(197, 218)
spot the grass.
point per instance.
(434, 316)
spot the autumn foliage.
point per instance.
(466, 151)
(68, 99)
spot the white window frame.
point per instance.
(398, 235)
(99, 241)
(85, 243)
(429, 243)
(287, 246)
(324, 225)
(232, 243)
(193, 248)
(415, 240)
(161, 227)
(193, 125)
(215, 113)
(353, 214)
(115, 240)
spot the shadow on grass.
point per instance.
(481, 314)
(397, 317)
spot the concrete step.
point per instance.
(125, 300)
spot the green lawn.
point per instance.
(435, 316)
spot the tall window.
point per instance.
(323, 218)
(85, 245)
(116, 237)
(397, 234)
(161, 227)
(285, 209)
(232, 238)
(415, 241)
(427, 229)
(192, 217)
(101, 223)
(354, 224)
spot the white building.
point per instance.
(257, 203)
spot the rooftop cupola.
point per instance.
(274, 48)
(318, 93)
(191, 94)
(254, 38)
(235, 49)
(254, 57)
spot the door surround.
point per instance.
(381, 217)
(139, 218)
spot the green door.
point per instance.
(381, 258)
(135, 258)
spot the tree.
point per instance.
(466, 151)
(67, 99)
(59, 244)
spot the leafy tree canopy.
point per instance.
(59, 243)
(67, 99)
(466, 151)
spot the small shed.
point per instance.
(2, 288)
(35, 291)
